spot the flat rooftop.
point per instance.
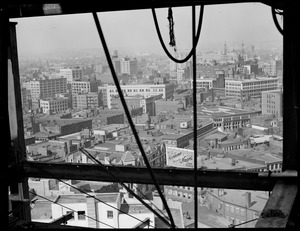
(216, 111)
(257, 155)
(111, 127)
(224, 163)
(81, 198)
(41, 210)
(206, 217)
(237, 197)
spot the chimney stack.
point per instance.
(232, 161)
(248, 199)
(91, 212)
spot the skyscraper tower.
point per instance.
(225, 52)
(243, 52)
(115, 54)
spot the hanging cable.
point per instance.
(163, 44)
(140, 192)
(55, 202)
(172, 42)
(116, 81)
(233, 225)
(274, 12)
(124, 185)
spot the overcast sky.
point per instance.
(134, 31)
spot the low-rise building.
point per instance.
(237, 206)
(63, 126)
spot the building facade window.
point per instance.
(110, 214)
(81, 215)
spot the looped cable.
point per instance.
(162, 42)
(274, 12)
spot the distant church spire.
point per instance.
(225, 52)
(225, 49)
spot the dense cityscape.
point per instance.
(71, 102)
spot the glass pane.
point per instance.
(70, 102)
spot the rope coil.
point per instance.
(172, 42)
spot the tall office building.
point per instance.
(46, 88)
(71, 74)
(128, 66)
(116, 62)
(88, 100)
(133, 66)
(249, 88)
(83, 87)
(271, 102)
(125, 66)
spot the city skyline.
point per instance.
(230, 23)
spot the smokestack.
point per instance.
(248, 199)
(232, 161)
(220, 192)
(208, 154)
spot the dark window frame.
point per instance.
(290, 160)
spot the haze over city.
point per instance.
(134, 32)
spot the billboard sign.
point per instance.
(179, 157)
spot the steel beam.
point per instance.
(63, 219)
(279, 206)
(166, 176)
(32, 8)
(143, 224)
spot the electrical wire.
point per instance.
(116, 81)
(123, 184)
(141, 192)
(193, 47)
(69, 208)
(233, 226)
(274, 12)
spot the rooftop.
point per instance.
(206, 217)
(257, 155)
(216, 111)
(225, 163)
(111, 127)
(216, 135)
(237, 197)
(81, 198)
(257, 79)
(41, 210)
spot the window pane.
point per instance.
(70, 101)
